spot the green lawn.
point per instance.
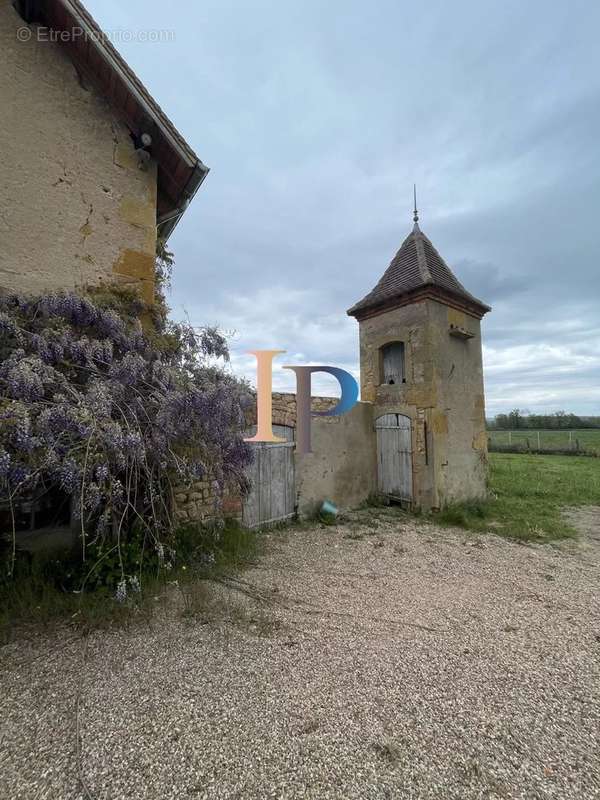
(527, 493)
(563, 440)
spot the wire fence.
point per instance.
(582, 442)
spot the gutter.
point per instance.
(166, 224)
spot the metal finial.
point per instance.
(416, 214)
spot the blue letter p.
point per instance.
(348, 399)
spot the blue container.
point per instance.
(328, 509)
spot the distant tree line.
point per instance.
(522, 420)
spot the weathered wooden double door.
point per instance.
(394, 456)
(273, 494)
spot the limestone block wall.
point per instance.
(284, 408)
(200, 503)
(411, 325)
(460, 421)
(75, 208)
(443, 396)
(343, 465)
(341, 468)
(418, 397)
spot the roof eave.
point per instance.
(118, 64)
(181, 172)
(431, 291)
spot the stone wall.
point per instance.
(75, 207)
(443, 397)
(200, 503)
(342, 467)
(418, 397)
(284, 408)
(461, 440)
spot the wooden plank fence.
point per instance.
(272, 497)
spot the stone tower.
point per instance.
(421, 367)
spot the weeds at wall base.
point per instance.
(34, 596)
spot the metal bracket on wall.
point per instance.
(460, 333)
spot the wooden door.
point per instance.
(394, 456)
(273, 494)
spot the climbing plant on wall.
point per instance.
(113, 411)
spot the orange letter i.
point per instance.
(264, 399)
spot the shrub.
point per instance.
(111, 413)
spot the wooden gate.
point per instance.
(273, 494)
(394, 456)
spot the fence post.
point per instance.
(538, 437)
(509, 438)
(570, 439)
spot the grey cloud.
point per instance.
(316, 118)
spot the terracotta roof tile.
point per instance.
(416, 265)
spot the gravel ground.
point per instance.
(377, 658)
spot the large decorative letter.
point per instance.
(349, 397)
(264, 400)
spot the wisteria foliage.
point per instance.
(112, 412)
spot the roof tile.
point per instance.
(417, 264)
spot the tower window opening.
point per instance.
(392, 364)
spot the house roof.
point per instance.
(417, 271)
(180, 171)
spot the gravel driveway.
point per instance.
(380, 658)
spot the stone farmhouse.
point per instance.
(93, 172)
(92, 169)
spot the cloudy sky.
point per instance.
(316, 117)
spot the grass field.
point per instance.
(527, 493)
(588, 439)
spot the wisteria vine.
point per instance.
(113, 412)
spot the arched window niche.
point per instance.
(391, 364)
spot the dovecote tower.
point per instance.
(421, 367)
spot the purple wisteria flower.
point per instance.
(111, 412)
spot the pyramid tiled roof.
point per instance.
(417, 266)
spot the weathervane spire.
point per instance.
(416, 213)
